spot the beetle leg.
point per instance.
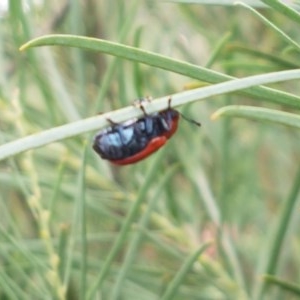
(169, 102)
(143, 109)
(139, 103)
(113, 123)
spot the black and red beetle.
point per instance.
(131, 141)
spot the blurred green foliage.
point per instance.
(75, 227)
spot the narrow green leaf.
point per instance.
(285, 285)
(218, 49)
(159, 61)
(132, 249)
(132, 214)
(284, 9)
(254, 3)
(64, 232)
(212, 207)
(272, 26)
(97, 122)
(258, 113)
(275, 59)
(81, 202)
(278, 236)
(174, 285)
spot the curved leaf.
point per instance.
(258, 113)
(173, 286)
(93, 123)
(160, 61)
(290, 287)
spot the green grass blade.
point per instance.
(285, 285)
(275, 59)
(259, 113)
(64, 232)
(93, 123)
(132, 214)
(132, 251)
(218, 49)
(213, 210)
(284, 9)
(279, 235)
(11, 288)
(173, 286)
(159, 61)
(83, 223)
(272, 26)
(254, 3)
(109, 72)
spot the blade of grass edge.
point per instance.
(284, 9)
(258, 113)
(121, 115)
(131, 251)
(159, 61)
(214, 213)
(173, 286)
(287, 286)
(132, 214)
(83, 223)
(278, 236)
(271, 25)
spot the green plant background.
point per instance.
(212, 215)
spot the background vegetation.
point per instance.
(212, 215)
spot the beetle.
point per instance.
(134, 140)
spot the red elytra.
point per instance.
(152, 147)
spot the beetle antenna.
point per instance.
(190, 120)
(186, 118)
